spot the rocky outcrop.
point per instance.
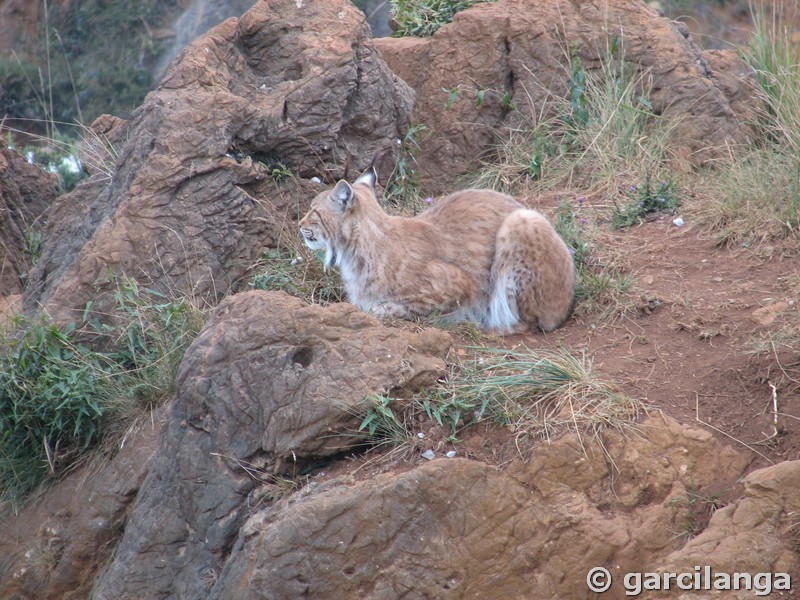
(454, 528)
(54, 547)
(755, 534)
(517, 52)
(25, 193)
(269, 387)
(185, 202)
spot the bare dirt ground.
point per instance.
(688, 346)
(691, 336)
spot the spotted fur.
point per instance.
(475, 255)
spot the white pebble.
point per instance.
(451, 454)
(429, 454)
(421, 435)
(678, 222)
(316, 180)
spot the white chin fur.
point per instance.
(317, 245)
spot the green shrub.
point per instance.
(276, 169)
(147, 342)
(425, 17)
(59, 396)
(49, 403)
(17, 87)
(77, 68)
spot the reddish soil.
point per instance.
(687, 347)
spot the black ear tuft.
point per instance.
(343, 194)
(370, 177)
(348, 162)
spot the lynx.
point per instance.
(476, 255)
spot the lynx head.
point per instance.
(330, 222)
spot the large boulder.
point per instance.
(518, 53)
(182, 199)
(270, 386)
(25, 193)
(455, 528)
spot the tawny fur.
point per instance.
(475, 255)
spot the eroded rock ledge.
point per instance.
(270, 384)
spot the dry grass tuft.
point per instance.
(535, 394)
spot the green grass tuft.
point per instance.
(646, 199)
(425, 17)
(752, 198)
(49, 403)
(602, 130)
(298, 271)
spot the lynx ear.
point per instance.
(343, 194)
(370, 177)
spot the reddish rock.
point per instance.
(453, 528)
(25, 193)
(56, 545)
(269, 386)
(520, 49)
(183, 202)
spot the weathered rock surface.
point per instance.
(454, 528)
(56, 547)
(181, 206)
(756, 534)
(520, 49)
(25, 193)
(269, 385)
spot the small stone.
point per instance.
(316, 180)
(678, 222)
(451, 454)
(421, 435)
(766, 315)
(429, 454)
